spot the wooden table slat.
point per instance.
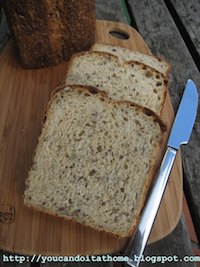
(189, 14)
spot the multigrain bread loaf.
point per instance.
(95, 160)
(48, 32)
(125, 54)
(132, 81)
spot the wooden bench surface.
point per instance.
(171, 30)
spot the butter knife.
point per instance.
(180, 134)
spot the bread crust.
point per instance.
(130, 62)
(92, 90)
(161, 79)
(78, 54)
(94, 47)
(48, 32)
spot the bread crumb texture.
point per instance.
(93, 161)
(124, 54)
(130, 80)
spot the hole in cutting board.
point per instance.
(119, 34)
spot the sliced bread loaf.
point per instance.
(125, 54)
(94, 160)
(132, 81)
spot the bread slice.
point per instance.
(125, 54)
(95, 160)
(132, 81)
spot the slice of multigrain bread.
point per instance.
(132, 81)
(125, 54)
(95, 160)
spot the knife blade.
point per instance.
(180, 134)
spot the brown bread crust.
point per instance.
(92, 90)
(47, 32)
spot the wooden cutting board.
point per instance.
(23, 99)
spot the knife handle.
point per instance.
(138, 242)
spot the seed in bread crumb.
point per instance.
(104, 195)
(92, 172)
(148, 74)
(158, 83)
(99, 148)
(81, 133)
(126, 166)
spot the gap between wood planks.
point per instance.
(183, 31)
(181, 28)
(132, 21)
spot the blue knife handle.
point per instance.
(137, 244)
